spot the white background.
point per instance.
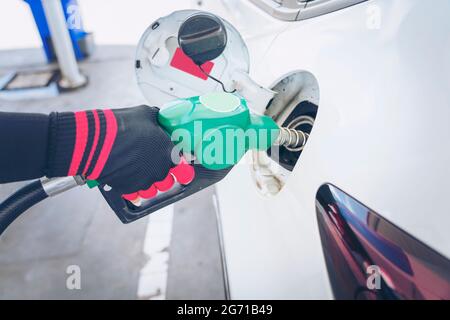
(112, 21)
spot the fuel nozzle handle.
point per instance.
(224, 117)
(213, 132)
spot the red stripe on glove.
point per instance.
(110, 137)
(95, 142)
(81, 137)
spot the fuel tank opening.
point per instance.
(302, 119)
(294, 107)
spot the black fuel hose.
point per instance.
(19, 202)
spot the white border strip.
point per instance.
(153, 276)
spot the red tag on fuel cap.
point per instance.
(182, 62)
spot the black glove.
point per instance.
(124, 148)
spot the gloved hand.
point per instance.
(124, 148)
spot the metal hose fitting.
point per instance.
(293, 140)
(54, 186)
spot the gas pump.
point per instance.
(194, 65)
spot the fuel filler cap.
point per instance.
(181, 55)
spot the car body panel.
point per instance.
(380, 135)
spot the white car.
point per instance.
(359, 213)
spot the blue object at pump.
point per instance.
(78, 36)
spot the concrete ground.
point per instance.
(39, 250)
(195, 269)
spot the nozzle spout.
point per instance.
(293, 140)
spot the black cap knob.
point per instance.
(202, 37)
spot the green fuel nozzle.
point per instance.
(213, 132)
(217, 129)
